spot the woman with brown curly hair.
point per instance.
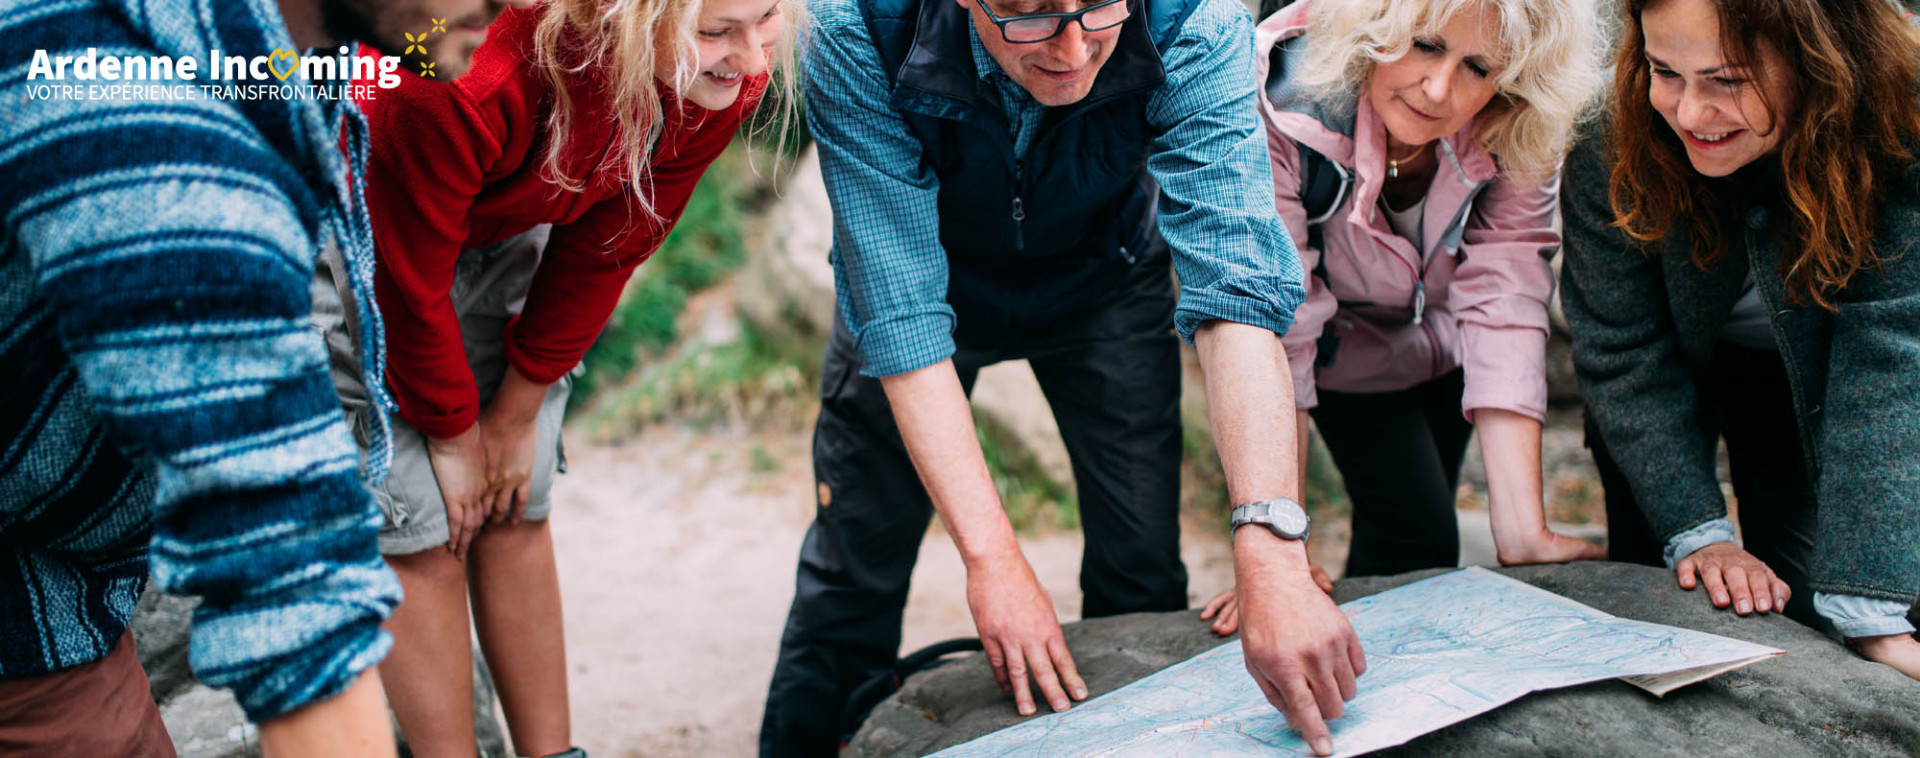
(1738, 267)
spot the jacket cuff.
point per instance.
(540, 371)
(1706, 533)
(1859, 616)
(301, 650)
(441, 426)
(1505, 369)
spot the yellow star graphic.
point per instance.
(439, 25)
(426, 69)
(415, 45)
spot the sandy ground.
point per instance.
(676, 560)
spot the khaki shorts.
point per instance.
(489, 288)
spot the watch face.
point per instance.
(1289, 520)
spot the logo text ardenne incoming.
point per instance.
(280, 75)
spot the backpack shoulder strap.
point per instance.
(1323, 185)
(1165, 17)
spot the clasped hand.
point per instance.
(485, 475)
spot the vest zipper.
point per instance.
(1019, 206)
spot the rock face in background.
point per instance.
(1818, 700)
(786, 292)
(208, 723)
(786, 288)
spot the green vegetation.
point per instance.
(749, 380)
(766, 380)
(1033, 500)
(1203, 490)
(776, 127)
(706, 243)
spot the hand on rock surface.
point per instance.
(1548, 546)
(1226, 605)
(1021, 635)
(1733, 577)
(1901, 651)
(1300, 649)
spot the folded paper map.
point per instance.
(1439, 651)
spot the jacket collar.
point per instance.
(941, 61)
(1463, 168)
(1346, 130)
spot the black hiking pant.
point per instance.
(1399, 454)
(1111, 373)
(1746, 392)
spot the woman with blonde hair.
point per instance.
(509, 210)
(1740, 267)
(1414, 149)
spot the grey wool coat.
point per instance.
(1645, 322)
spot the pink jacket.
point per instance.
(1481, 270)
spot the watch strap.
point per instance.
(1272, 513)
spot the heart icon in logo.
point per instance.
(280, 57)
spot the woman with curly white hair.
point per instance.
(1415, 145)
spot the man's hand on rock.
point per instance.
(1224, 608)
(1733, 577)
(1300, 649)
(1021, 635)
(1901, 651)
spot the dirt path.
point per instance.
(677, 554)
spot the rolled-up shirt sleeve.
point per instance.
(1701, 535)
(1231, 251)
(1857, 616)
(890, 272)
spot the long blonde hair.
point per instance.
(1554, 65)
(623, 38)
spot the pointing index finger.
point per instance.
(1303, 713)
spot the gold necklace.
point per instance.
(1393, 164)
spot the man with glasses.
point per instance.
(1011, 179)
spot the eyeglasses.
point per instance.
(1040, 27)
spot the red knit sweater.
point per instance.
(456, 166)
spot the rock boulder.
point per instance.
(1818, 700)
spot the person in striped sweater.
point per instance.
(165, 403)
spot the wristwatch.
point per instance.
(1282, 516)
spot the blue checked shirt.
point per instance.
(1230, 250)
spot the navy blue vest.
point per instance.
(1033, 239)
